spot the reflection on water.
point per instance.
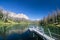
(23, 36)
(27, 35)
(55, 31)
(11, 30)
(15, 32)
(1, 38)
(20, 32)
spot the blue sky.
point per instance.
(34, 9)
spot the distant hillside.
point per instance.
(4, 15)
(13, 18)
(53, 19)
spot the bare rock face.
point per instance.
(20, 15)
(14, 16)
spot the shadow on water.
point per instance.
(17, 32)
(24, 36)
(1, 38)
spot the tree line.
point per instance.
(52, 18)
(3, 16)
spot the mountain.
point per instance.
(11, 17)
(14, 16)
(20, 15)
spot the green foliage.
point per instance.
(1, 15)
(51, 19)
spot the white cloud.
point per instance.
(35, 19)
